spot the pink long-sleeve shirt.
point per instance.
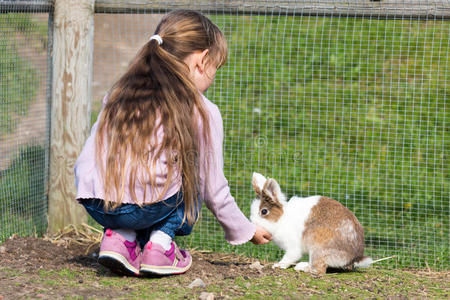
(214, 189)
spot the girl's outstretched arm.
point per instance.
(214, 186)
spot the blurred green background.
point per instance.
(354, 109)
(23, 199)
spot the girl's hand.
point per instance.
(261, 236)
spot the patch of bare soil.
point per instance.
(65, 266)
(26, 262)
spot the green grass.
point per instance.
(23, 201)
(23, 204)
(17, 88)
(355, 109)
(288, 284)
(19, 80)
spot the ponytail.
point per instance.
(156, 93)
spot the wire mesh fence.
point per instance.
(347, 99)
(23, 123)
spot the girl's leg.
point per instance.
(118, 218)
(173, 225)
(131, 219)
(118, 250)
(161, 256)
(164, 232)
(159, 213)
(161, 238)
(164, 219)
(128, 234)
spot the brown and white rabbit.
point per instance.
(317, 225)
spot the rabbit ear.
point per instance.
(258, 181)
(271, 191)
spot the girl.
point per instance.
(155, 153)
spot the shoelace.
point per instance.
(179, 253)
(131, 247)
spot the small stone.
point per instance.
(206, 296)
(197, 283)
(2, 249)
(256, 266)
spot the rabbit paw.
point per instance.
(281, 265)
(302, 266)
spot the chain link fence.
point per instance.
(347, 99)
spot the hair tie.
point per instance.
(156, 37)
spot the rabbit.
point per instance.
(317, 225)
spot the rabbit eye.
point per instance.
(264, 212)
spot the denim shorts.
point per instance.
(166, 215)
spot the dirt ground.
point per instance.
(26, 261)
(65, 267)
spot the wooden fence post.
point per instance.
(73, 34)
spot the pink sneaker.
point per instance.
(118, 254)
(156, 260)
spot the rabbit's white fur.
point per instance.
(288, 230)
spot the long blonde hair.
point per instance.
(156, 93)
